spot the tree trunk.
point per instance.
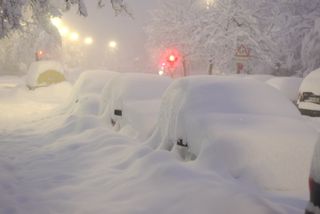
(210, 68)
(184, 66)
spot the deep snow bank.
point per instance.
(74, 164)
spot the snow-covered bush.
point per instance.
(15, 13)
(240, 127)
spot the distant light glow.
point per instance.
(161, 72)
(88, 41)
(39, 55)
(209, 3)
(56, 21)
(64, 31)
(74, 36)
(113, 44)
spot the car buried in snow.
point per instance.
(309, 95)
(44, 73)
(131, 102)
(236, 126)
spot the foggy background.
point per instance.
(103, 26)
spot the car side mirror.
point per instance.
(118, 112)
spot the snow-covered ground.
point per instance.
(68, 163)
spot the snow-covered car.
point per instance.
(309, 94)
(44, 73)
(85, 97)
(131, 102)
(240, 127)
(288, 86)
(313, 206)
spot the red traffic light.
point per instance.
(169, 61)
(172, 58)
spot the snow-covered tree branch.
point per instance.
(13, 17)
(273, 30)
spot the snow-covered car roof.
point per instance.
(205, 94)
(134, 86)
(311, 83)
(93, 81)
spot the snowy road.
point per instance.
(52, 163)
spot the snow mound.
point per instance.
(233, 122)
(271, 152)
(87, 104)
(288, 86)
(138, 97)
(75, 164)
(96, 171)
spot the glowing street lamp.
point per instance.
(113, 45)
(56, 21)
(161, 72)
(88, 41)
(64, 31)
(74, 37)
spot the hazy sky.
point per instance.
(103, 26)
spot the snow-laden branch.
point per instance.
(12, 11)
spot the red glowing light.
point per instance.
(169, 61)
(172, 58)
(39, 55)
